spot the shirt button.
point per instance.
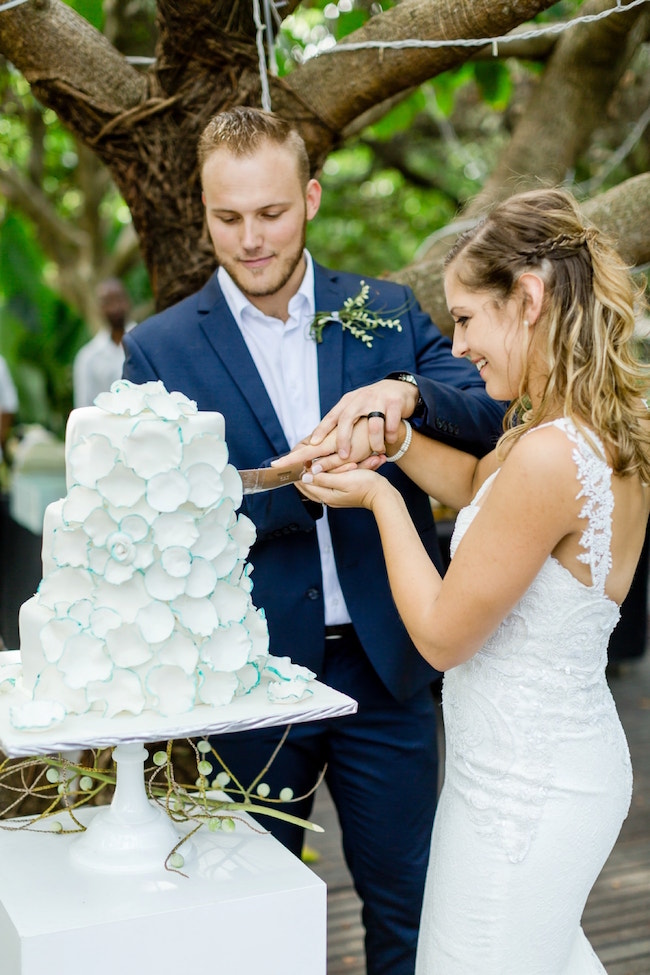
(313, 593)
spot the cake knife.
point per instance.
(268, 478)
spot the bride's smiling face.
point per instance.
(490, 335)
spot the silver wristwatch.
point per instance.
(408, 377)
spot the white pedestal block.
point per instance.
(247, 906)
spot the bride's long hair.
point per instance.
(585, 331)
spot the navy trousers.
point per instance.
(382, 772)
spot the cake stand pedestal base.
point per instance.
(131, 835)
(247, 905)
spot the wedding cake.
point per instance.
(145, 601)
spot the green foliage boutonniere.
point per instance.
(355, 318)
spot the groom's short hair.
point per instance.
(243, 130)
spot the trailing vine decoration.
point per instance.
(215, 800)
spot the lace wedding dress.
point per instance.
(538, 777)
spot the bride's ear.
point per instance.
(532, 286)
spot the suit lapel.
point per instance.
(223, 334)
(328, 297)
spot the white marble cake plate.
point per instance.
(93, 730)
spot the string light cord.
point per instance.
(494, 42)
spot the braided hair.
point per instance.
(586, 327)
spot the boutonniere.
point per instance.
(354, 318)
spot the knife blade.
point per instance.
(260, 479)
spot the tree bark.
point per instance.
(144, 126)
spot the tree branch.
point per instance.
(378, 75)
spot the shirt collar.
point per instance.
(303, 300)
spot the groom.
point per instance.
(242, 346)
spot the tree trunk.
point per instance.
(145, 126)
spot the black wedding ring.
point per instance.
(377, 413)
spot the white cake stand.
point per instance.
(133, 834)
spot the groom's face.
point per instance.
(257, 210)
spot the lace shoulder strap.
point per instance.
(595, 477)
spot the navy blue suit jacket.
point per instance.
(196, 347)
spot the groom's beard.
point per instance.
(268, 280)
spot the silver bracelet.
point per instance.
(406, 443)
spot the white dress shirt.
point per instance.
(285, 356)
(97, 365)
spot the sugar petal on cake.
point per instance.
(244, 534)
(281, 691)
(179, 651)
(51, 686)
(156, 621)
(249, 677)
(127, 646)
(218, 689)
(79, 504)
(168, 491)
(122, 486)
(227, 649)
(173, 689)
(224, 513)
(61, 584)
(245, 582)
(103, 620)
(202, 446)
(175, 528)
(84, 659)
(226, 561)
(99, 525)
(80, 611)
(70, 547)
(141, 508)
(54, 635)
(198, 615)
(128, 599)
(37, 714)
(118, 572)
(166, 406)
(10, 675)
(202, 578)
(176, 561)
(91, 459)
(160, 585)
(283, 668)
(126, 397)
(258, 630)
(231, 604)
(97, 558)
(206, 486)
(152, 448)
(135, 526)
(145, 555)
(123, 692)
(187, 406)
(212, 537)
(232, 485)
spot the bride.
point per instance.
(550, 528)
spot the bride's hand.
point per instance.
(348, 487)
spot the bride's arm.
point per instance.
(529, 508)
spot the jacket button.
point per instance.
(313, 593)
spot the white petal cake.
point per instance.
(145, 602)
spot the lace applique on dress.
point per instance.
(595, 476)
(538, 677)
